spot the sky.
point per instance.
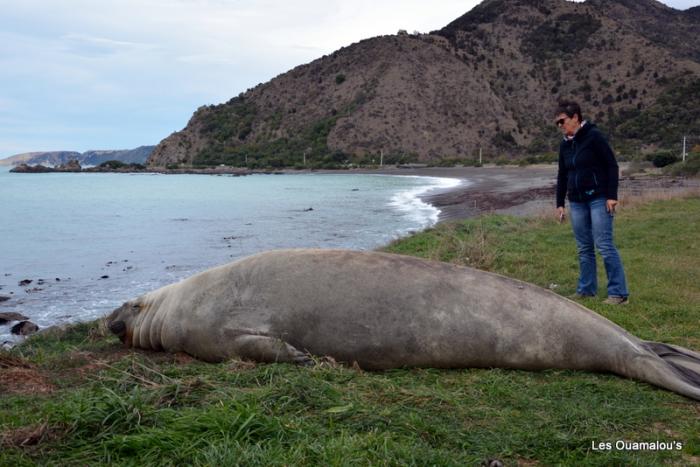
(117, 74)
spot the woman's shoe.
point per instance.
(615, 300)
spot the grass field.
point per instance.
(76, 397)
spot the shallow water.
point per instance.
(88, 242)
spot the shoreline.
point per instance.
(520, 191)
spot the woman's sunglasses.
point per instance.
(561, 121)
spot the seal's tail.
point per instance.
(671, 367)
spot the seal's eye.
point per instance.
(118, 328)
(136, 308)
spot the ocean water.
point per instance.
(88, 242)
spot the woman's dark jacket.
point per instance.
(587, 167)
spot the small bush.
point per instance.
(663, 159)
(113, 165)
(339, 79)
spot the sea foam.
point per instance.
(411, 203)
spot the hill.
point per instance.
(487, 81)
(45, 158)
(56, 158)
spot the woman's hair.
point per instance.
(570, 108)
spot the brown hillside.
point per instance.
(487, 80)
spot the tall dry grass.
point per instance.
(634, 197)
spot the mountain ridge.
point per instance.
(485, 82)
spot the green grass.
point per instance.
(110, 406)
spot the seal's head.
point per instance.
(121, 321)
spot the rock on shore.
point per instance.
(11, 316)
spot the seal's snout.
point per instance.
(118, 328)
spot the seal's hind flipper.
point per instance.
(684, 362)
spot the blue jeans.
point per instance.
(593, 228)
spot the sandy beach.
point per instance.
(506, 190)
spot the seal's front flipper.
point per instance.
(269, 349)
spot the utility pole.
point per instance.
(684, 152)
(381, 158)
(479, 155)
(304, 158)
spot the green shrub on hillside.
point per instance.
(675, 113)
(223, 123)
(565, 34)
(115, 165)
(504, 140)
(112, 165)
(280, 152)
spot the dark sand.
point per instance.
(507, 190)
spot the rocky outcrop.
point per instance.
(70, 166)
(32, 169)
(11, 316)
(24, 328)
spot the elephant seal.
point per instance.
(387, 311)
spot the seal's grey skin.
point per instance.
(388, 311)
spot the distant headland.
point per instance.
(138, 155)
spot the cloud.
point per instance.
(83, 44)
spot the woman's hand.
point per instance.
(610, 205)
(561, 213)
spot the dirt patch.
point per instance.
(527, 463)
(182, 358)
(28, 436)
(241, 365)
(18, 376)
(83, 362)
(24, 381)
(10, 361)
(663, 428)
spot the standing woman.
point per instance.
(588, 176)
